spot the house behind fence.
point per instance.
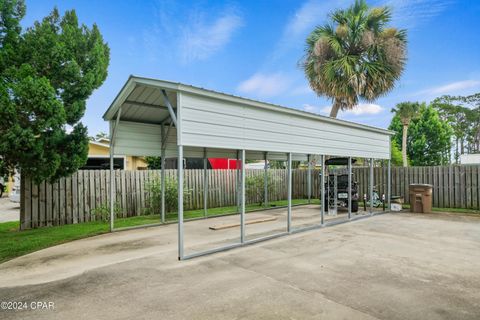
(84, 195)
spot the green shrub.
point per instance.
(254, 186)
(102, 213)
(154, 202)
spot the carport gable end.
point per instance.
(225, 123)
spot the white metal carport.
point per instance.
(152, 117)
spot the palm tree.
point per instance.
(355, 56)
(406, 111)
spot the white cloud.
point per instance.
(359, 109)
(310, 14)
(190, 33)
(305, 17)
(365, 108)
(309, 108)
(326, 109)
(450, 88)
(406, 14)
(200, 40)
(411, 13)
(302, 90)
(265, 85)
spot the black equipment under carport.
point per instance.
(336, 187)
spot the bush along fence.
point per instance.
(84, 196)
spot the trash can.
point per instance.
(420, 198)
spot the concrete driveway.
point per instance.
(394, 266)
(9, 211)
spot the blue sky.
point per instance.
(252, 48)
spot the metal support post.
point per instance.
(322, 182)
(309, 179)
(112, 204)
(349, 187)
(389, 184)
(162, 174)
(242, 211)
(180, 202)
(112, 178)
(371, 185)
(205, 183)
(265, 182)
(237, 172)
(335, 193)
(289, 192)
(170, 108)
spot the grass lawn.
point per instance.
(14, 243)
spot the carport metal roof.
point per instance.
(224, 123)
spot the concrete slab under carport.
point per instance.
(303, 216)
(393, 266)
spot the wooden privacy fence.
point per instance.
(453, 186)
(86, 194)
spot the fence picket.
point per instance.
(86, 195)
(27, 206)
(92, 193)
(68, 200)
(41, 204)
(446, 186)
(475, 176)
(81, 202)
(462, 186)
(468, 187)
(74, 198)
(55, 204)
(434, 182)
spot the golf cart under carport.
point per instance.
(338, 186)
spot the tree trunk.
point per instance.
(457, 154)
(404, 145)
(335, 108)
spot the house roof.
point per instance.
(105, 145)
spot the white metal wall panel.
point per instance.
(212, 122)
(138, 139)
